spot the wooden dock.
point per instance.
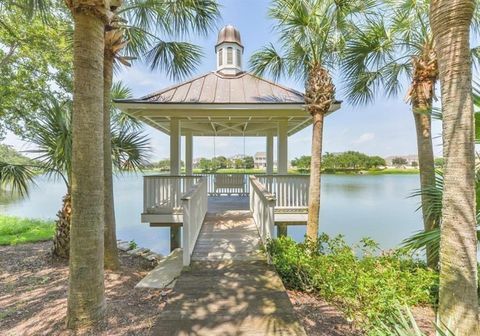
(229, 289)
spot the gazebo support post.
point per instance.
(282, 151)
(188, 154)
(175, 142)
(270, 153)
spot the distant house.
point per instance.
(260, 160)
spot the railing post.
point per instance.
(186, 232)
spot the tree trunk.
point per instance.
(315, 175)
(110, 234)
(426, 164)
(458, 306)
(319, 95)
(421, 93)
(86, 297)
(61, 238)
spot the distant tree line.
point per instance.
(349, 160)
(209, 165)
(221, 162)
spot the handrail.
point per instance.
(262, 207)
(195, 205)
(291, 190)
(163, 193)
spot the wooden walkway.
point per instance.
(229, 288)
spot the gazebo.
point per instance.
(225, 102)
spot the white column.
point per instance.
(270, 153)
(175, 140)
(188, 154)
(282, 162)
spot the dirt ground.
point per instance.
(320, 318)
(33, 295)
(33, 299)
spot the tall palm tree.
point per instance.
(86, 294)
(52, 137)
(312, 40)
(396, 45)
(458, 306)
(139, 29)
(384, 52)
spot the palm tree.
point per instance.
(458, 305)
(52, 137)
(86, 292)
(139, 28)
(312, 39)
(386, 50)
(381, 54)
(86, 296)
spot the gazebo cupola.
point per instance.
(229, 51)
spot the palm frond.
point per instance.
(176, 59)
(173, 17)
(17, 178)
(53, 137)
(130, 149)
(118, 117)
(268, 60)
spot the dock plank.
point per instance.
(229, 289)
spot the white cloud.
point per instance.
(365, 137)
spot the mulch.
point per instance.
(33, 295)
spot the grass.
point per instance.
(393, 171)
(16, 230)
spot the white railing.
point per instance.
(195, 205)
(162, 194)
(262, 207)
(291, 191)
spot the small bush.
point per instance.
(366, 286)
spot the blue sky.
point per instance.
(383, 128)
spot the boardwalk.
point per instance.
(229, 288)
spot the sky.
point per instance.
(384, 128)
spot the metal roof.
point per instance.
(216, 88)
(216, 104)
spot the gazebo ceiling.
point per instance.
(215, 104)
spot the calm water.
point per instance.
(355, 206)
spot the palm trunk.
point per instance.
(61, 238)
(426, 165)
(86, 295)
(315, 175)
(111, 251)
(458, 306)
(421, 94)
(319, 95)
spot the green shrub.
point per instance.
(366, 286)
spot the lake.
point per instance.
(375, 206)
